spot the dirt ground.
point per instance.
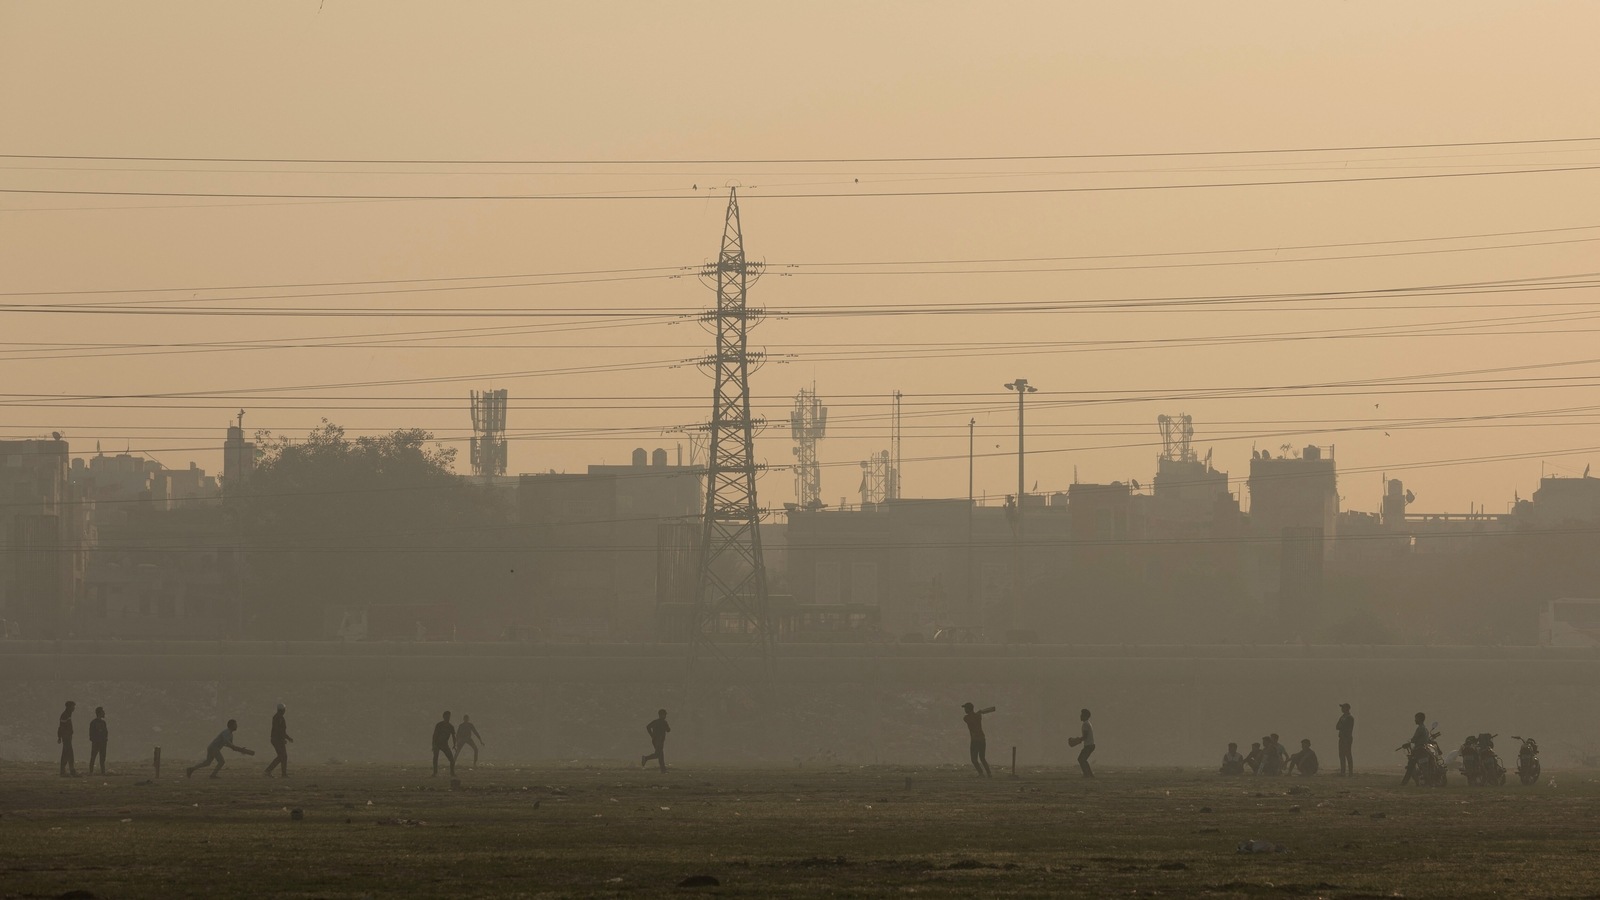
(613, 829)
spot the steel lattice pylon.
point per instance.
(731, 596)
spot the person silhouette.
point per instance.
(657, 728)
(69, 765)
(214, 751)
(1420, 738)
(98, 735)
(444, 734)
(467, 735)
(1346, 726)
(1087, 740)
(1232, 761)
(1304, 762)
(280, 742)
(979, 745)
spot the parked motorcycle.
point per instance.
(1427, 761)
(1468, 757)
(1490, 770)
(1527, 760)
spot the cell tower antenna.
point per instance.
(1177, 437)
(731, 592)
(892, 489)
(875, 478)
(488, 433)
(808, 424)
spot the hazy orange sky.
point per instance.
(602, 102)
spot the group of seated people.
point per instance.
(1270, 757)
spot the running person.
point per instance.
(657, 728)
(980, 744)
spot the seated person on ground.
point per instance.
(1254, 759)
(1305, 761)
(1232, 761)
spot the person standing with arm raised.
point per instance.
(979, 744)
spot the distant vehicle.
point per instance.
(958, 634)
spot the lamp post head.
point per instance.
(1021, 386)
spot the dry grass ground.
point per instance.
(617, 830)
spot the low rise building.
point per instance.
(45, 536)
(592, 539)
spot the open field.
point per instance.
(616, 830)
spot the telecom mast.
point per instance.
(875, 477)
(731, 595)
(488, 433)
(1177, 436)
(808, 423)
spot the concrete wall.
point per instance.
(1164, 705)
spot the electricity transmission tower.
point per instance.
(488, 433)
(731, 596)
(808, 423)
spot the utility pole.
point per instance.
(892, 491)
(1023, 389)
(972, 426)
(731, 593)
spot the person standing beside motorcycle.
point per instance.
(1346, 727)
(1419, 743)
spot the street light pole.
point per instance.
(1023, 389)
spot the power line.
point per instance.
(696, 195)
(809, 160)
(358, 283)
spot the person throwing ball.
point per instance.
(978, 745)
(214, 752)
(1087, 742)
